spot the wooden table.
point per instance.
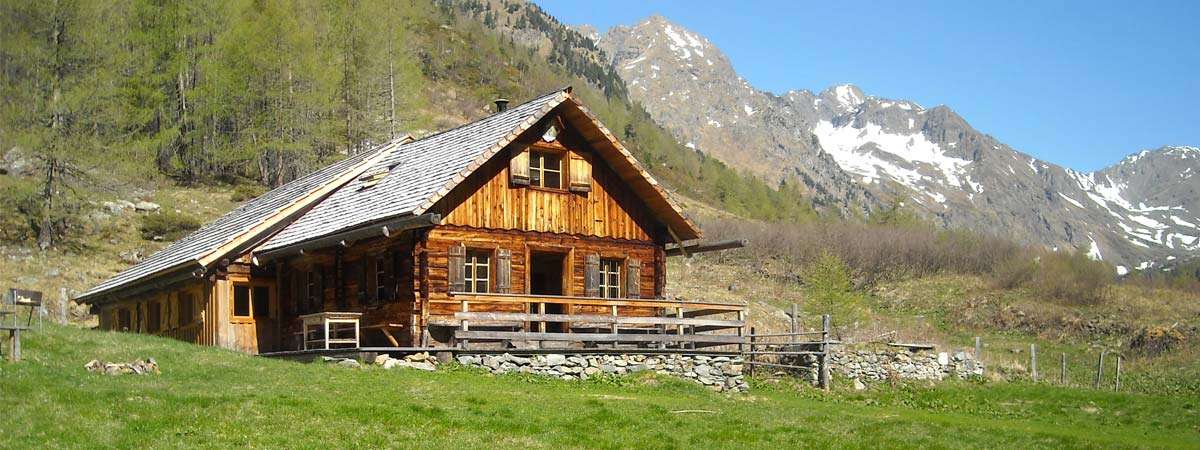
(330, 321)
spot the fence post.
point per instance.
(823, 376)
(1062, 375)
(752, 358)
(1118, 385)
(1033, 362)
(1100, 369)
(794, 327)
(978, 349)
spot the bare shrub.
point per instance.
(877, 252)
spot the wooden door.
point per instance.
(253, 314)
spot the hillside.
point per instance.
(849, 148)
(207, 397)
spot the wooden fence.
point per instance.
(795, 343)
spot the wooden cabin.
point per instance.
(531, 227)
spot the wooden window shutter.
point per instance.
(504, 271)
(456, 261)
(633, 278)
(518, 167)
(581, 174)
(591, 277)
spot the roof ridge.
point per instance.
(497, 113)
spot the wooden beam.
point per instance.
(594, 318)
(701, 247)
(598, 337)
(345, 238)
(709, 307)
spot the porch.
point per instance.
(530, 322)
(521, 322)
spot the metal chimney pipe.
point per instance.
(501, 104)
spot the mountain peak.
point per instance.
(847, 95)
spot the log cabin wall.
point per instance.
(376, 277)
(179, 311)
(574, 249)
(489, 212)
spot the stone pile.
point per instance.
(419, 361)
(139, 367)
(719, 373)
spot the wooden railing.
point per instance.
(186, 333)
(679, 324)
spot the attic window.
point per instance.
(370, 179)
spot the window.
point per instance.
(545, 169)
(251, 301)
(262, 301)
(154, 316)
(124, 319)
(311, 292)
(476, 271)
(186, 308)
(241, 301)
(380, 278)
(610, 278)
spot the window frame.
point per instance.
(251, 286)
(381, 275)
(471, 266)
(539, 155)
(617, 264)
(312, 294)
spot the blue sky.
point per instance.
(1081, 84)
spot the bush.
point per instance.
(830, 288)
(900, 248)
(243, 192)
(167, 225)
(20, 209)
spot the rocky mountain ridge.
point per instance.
(854, 150)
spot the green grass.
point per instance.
(214, 398)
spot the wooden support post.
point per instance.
(1033, 362)
(1100, 369)
(679, 328)
(1117, 386)
(614, 324)
(823, 376)
(978, 349)
(542, 310)
(15, 337)
(464, 325)
(741, 331)
(1062, 374)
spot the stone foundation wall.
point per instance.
(719, 373)
(872, 363)
(878, 365)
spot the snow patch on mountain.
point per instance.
(851, 148)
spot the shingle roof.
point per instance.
(419, 173)
(192, 248)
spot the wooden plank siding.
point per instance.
(486, 199)
(170, 322)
